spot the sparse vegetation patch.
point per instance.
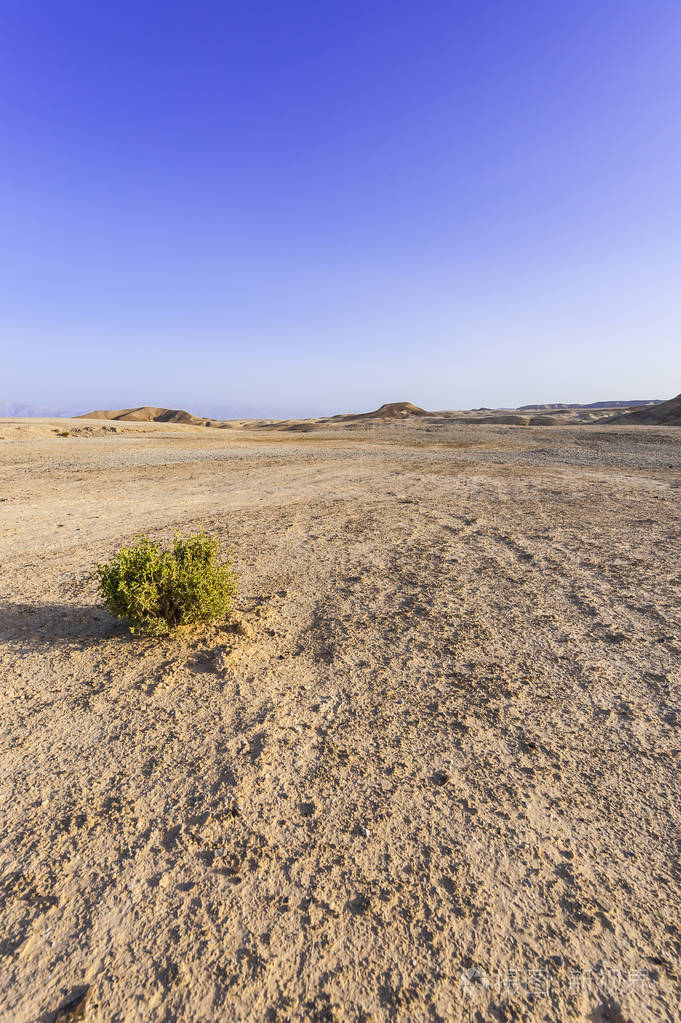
(156, 590)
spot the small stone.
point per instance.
(360, 904)
(222, 659)
(74, 1009)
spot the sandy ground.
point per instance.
(428, 771)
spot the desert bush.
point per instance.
(156, 590)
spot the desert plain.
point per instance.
(429, 767)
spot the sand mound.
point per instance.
(392, 410)
(503, 420)
(666, 414)
(145, 414)
(543, 421)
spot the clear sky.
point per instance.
(309, 206)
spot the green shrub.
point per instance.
(157, 590)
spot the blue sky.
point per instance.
(314, 207)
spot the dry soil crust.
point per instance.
(428, 771)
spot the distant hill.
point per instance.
(392, 410)
(15, 410)
(654, 412)
(145, 414)
(503, 419)
(594, 404)
(666, 413)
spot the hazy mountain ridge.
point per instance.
(653, 412)
(556, 406)
(17, 410)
